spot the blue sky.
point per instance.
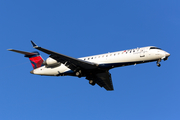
(81, 28)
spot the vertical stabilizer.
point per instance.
(36, 60)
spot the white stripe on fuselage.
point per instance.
(143, 54)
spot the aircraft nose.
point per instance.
(167, 54)
(32, 71)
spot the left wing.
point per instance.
(99, 76)
(70, 62)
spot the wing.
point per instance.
(103, 79)
(69, 62)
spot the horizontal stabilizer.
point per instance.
(23, 52)
(34, 57)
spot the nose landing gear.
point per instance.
(158, 63)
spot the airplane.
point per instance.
(95, 68)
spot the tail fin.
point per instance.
(36, 60)
(34, 57)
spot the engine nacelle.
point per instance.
(49, 62)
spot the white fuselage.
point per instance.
(111, 60)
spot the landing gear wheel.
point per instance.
(78, 73)
(91, 82)
(159, 65)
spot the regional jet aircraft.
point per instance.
(95, 68)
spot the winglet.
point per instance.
(34, 45)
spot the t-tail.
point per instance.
(34, 57)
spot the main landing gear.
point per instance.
(91, 79)
(79, 73)
(158, 63)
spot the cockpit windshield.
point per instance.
(155, 48)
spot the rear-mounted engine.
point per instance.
(49, 62)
